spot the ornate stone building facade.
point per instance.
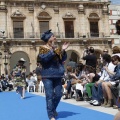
(82, 23)
(114, 16)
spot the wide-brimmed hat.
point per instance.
(22, 59)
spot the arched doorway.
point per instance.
(16, 56)
(72, 54)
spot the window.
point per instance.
(94, 32)
(114, 21)
(44, 26)
(114, 12)
(18, 29)
(69, 29)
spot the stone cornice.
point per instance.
(9, 40)
(57, 2)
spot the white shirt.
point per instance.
(105, 75)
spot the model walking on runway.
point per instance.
(52, 59)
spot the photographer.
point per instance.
(90, 57)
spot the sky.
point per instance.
(115, 1)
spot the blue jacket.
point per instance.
(52, 65)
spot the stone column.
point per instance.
(106, 27)
(82, 20)
(33, 59)
(3, 17)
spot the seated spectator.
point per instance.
(4, 83)
(105, 51)
(72, 63)
(0, 85)
(72, 79)
(30, 80)
(116, 51)
(91, 78)
(97, 94)
(108, 100)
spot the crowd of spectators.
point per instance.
(97, 80)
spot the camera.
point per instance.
(87, 50)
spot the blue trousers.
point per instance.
(53, 91)
(97, 92)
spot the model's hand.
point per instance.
(65, 46)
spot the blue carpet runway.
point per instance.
(33, 107)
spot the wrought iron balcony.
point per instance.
(58, 35)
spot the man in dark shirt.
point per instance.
(90, 57)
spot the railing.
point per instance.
(89, 35)
(58, 35)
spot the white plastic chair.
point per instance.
(28, 88)
(41, 87)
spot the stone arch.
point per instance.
(44, 16)
(16, 56)
(93, 15)
(72, 54)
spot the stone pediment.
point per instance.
(44, 16)
(18, 15)
(69, 15)
(93, 16)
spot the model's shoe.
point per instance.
(22, 97)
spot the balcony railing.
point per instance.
(89, 35)
(58, 35)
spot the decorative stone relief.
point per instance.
(43, 6)
(56, 9)
(68, 15)
(17, 14)
(81, 9)
(105, 10)
(31, 8)
(3, 6)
